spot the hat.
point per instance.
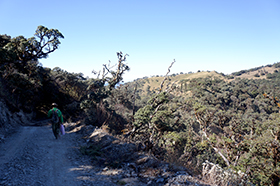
(54, 104)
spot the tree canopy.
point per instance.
(24, 49)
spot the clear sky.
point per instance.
(222, 35)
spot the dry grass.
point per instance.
(251, 75)
(154, 82)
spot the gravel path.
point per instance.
(33, 157)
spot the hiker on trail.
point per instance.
(56, 119)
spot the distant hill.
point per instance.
(152, 84)
(148, 85)
(256, 73)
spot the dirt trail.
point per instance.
(32, 156)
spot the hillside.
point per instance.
(212, 117)
(257, 72)
(150, 85)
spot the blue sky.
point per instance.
(222, 35)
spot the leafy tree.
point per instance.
(155, 118)
(45, 42)
(21, 73)
(73, 84)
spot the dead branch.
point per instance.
(165, 77)
(216, 149)
(134, 98)
(169, 89)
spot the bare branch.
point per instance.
(134, 98)
(165, 77)
(199, 120)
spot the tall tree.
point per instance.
(102, 87)
(23, 77)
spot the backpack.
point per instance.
(55, 118)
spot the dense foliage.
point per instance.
(231, 123)
(25, 84)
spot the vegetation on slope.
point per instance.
(231, 123)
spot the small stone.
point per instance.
(105, 169)
(134, 174)
(160, 180)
